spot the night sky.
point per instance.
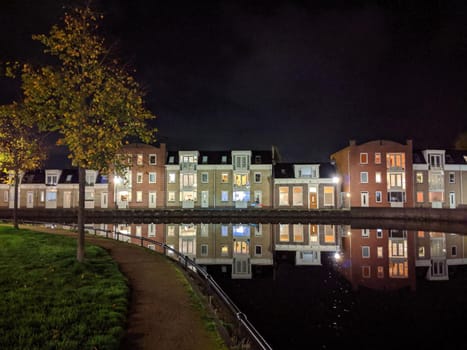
(305, 76)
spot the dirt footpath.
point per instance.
(161, 315)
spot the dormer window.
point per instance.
(51, 179)
(171, 159)
(224, 160)
(205, 159)
(257, 159)
(68, 178)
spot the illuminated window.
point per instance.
(224, 196)
(139, 178)
(224, 250)
(395, 160)
(139, 159)
(377, 158)
(171, 230)
(379, 251)
(297, 198)
(420, 197)
(187, 246)
(421, 234)
(328, 195)
(241, 179)
(396, 180)
(378, 177)
(224, 230)
(419, 177)
(171, 196)
(172, 178)
(363, 158)
(314, 233)
(152, 178)
(364, 177)
(138, 230)
(224, 178)
(283, 195)
(241, 247)
(51, 196)
(398, 269)
(139, 196)
(398, 249)
(188, 180)
(298, 233)
(283, 232)
(329, 234)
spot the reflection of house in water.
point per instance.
(304, 242)
(437, 251)
(238, 248)
(378, 258)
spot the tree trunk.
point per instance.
(15, 200)
(81, 191)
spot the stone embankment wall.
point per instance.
(326, 216)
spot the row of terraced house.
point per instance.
(378, 173)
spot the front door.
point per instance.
(364, 199)
(66, 199)
(204, 199)
(104, 200)
(30, 200)
(152, 199)
(313, 200)
(452, 200)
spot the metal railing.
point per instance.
(189, 265)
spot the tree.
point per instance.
(20, 145)
(90, 99)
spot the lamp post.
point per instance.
(117, 181)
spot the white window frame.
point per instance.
(152, 178)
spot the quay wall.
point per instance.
(162, 215)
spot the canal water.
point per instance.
(413, 296)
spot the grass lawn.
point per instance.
(50, 301)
